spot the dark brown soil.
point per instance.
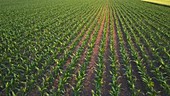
(107, 78)
(88, 82)
(69, 59)
(122, 79)
(157, 86)
(81, 61)
(139, 84)
(72, 81)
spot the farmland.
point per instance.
(84, 48)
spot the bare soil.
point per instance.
(69, 59)
(72, 81)
(89, 80)
(122, 79)
(139, 84)
(107, 78)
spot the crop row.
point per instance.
(84, 47)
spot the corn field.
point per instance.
(84, 48)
